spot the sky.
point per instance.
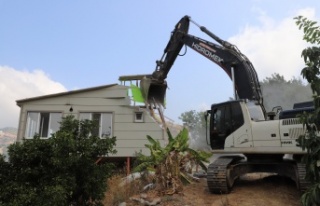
(49, 47)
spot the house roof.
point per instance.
(64, 93)
(133, 77)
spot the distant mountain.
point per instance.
(8, 135)
(10, 130)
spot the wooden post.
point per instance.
(98, 160)
(128, 166)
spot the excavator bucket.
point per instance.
(153, 91)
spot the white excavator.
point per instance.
(249, 139)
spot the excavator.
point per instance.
(248, 139)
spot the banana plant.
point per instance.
(171, 163)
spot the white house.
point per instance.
(110, 104)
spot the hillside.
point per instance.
(8, 135)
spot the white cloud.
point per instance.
(15, 85)
(310, 13)
(274, 46)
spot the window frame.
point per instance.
(49, 125)
(138, 120)
(101, 118)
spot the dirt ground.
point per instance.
(249, 190)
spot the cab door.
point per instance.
(225, 119)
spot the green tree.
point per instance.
(170, 162)
(61, 170)
(277, 91)
(195, 122)
(311, 141)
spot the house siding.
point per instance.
(131, 136)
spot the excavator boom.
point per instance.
(226, 55)
(154, 88)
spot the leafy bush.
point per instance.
(61, 170)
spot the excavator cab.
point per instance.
(153, 91)
(225, 119)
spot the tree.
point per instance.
(277, 91)
(61, 170)
(170, 162)
(195, 123)
(311, 141)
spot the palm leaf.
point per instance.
(170, 137)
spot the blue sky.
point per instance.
(52, 46)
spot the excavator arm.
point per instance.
(226, 55)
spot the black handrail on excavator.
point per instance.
(226, 55)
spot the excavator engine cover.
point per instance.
(153, 91)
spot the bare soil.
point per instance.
(249, 190)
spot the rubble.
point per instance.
(144, 199)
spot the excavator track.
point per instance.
(217, 176)
(301, 173)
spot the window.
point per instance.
(226, 118)
(138, 117)
(42, 124)
(104, 120)
(255, 111)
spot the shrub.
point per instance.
(61, 170)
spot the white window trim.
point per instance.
(100, 121)
(38, 126)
